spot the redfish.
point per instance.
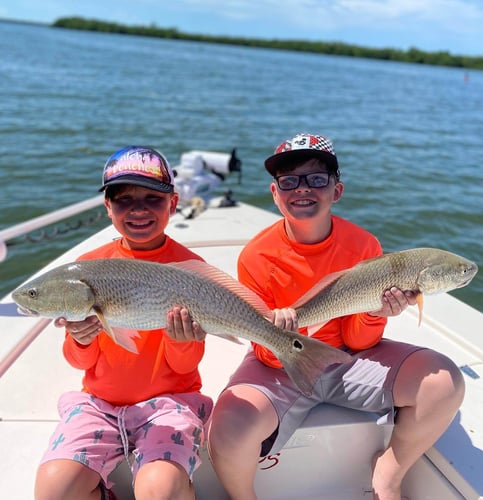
(361, 287)
(129, 295)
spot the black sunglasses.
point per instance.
(292, 181)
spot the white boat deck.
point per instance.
(328, 457)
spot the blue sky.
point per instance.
(431, 25)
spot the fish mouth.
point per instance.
(25, 311)
(472, 271)
(464, 283)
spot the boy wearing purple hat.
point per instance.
(417, 388)
(144, 407)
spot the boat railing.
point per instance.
(8, 359)
(198, 174)
(45, 220)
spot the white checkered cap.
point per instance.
(307, 141)
(300, 147)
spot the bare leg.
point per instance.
(60, 479)
(242, 418)
(428, 389)
(163, 480)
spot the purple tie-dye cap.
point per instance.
(140, 166)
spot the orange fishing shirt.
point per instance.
(122, 377)
(280, 271)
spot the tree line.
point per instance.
(413, 55)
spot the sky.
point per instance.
(455, 26)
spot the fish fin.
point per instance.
(323, 283)
(307, 359)
(219, 277)
(419, 302)
(122, 336)
(312, 329)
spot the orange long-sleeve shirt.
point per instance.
(280, 271)
(122, 377)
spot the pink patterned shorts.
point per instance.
(99, 435)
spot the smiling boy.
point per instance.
(260, 409)
(147, 405)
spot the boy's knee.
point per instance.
(60, 479)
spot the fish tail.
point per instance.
(307, 359)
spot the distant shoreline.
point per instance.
(21, 21)
(412, 55)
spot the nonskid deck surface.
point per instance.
(315, 462)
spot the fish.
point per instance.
(129, 295)
(360, 288)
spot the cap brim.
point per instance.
(136, 180)
(286, 160)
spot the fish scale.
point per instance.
(360, 288)
(136, 295)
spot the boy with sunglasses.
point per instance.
(145, 407)
(260, 409)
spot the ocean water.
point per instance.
(408, 137)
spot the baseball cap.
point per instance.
(303, 147)
(140, 166)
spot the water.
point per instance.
(408, 137)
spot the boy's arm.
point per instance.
(184, 341)
(362, 331)
(183, 357)
(80, 348)
(78, 355)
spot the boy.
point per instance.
(260, 409)
(148, 404)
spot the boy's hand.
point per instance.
(286, 319)
(83, 332)
(394, 301)
(181, 327)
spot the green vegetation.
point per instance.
(413, 55)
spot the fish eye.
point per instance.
(32, 293)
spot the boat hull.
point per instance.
(331, 441)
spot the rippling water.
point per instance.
(408, 137)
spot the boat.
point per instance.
(328, 457)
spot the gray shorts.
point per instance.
(364, 384)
